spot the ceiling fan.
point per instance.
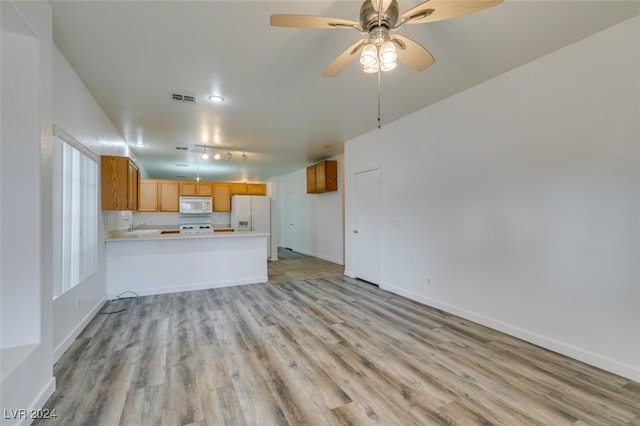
(379, 19)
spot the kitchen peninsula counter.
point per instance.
(147, 262)
(161, 234)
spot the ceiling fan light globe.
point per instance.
(370, 69)
(369, 55)
(388, 52)
(388, 66)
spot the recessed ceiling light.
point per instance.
(216, 99)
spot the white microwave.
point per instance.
(196, 205)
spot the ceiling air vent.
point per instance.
(182, 148)
(189, 99)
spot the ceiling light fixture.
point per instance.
(216, 156)
(216, 99)
(205, 155)
(228, 156)
(379, 54)
(244, 157)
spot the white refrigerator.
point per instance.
(253, 213)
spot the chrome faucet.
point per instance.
(132, 227)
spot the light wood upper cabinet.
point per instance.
(132, 186)
(195, 188)
(148, 195)
(322, 177)
(311, 179)
(257, 189)
(156, 195)
(168, 196)
(221, 197)
(239, 188)
(248, 188)
(119, 183)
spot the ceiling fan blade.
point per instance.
(411, 53)
(439, 10)
(345, 58)
(306, 21)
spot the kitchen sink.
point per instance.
(143, 232)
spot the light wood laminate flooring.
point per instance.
(314, 347)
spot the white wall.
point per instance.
(312, 223)
(76, 112)
(520, 200)
(26, 374)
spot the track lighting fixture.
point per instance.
(217, 155)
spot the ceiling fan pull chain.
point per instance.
(379, 100)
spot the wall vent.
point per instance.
(182, 148)
(189, 99)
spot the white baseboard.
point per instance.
(24, 417)
(319, 256)
(193, 287)
(67, 341)
(596, 360)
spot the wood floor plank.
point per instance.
(314, 347)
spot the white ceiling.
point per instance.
(133, 54)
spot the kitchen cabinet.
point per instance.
(248, 188)
(257, 189)
(311, 179)
(156, 195)
(221, 197)
(148, 195)
(196, 188)
(322, 177)
(168, 196)
(239, 188)
(119, 183)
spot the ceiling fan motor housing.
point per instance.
(369, 16)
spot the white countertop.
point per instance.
(170, 234)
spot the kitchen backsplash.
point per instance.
(157, 219)
(116, 220)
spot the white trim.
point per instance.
(319, 256)
(596, 360)
(67, 341)
(67, 138)
(194, 287)
(40, 400)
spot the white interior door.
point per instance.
(366, 230)
(288, 219)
